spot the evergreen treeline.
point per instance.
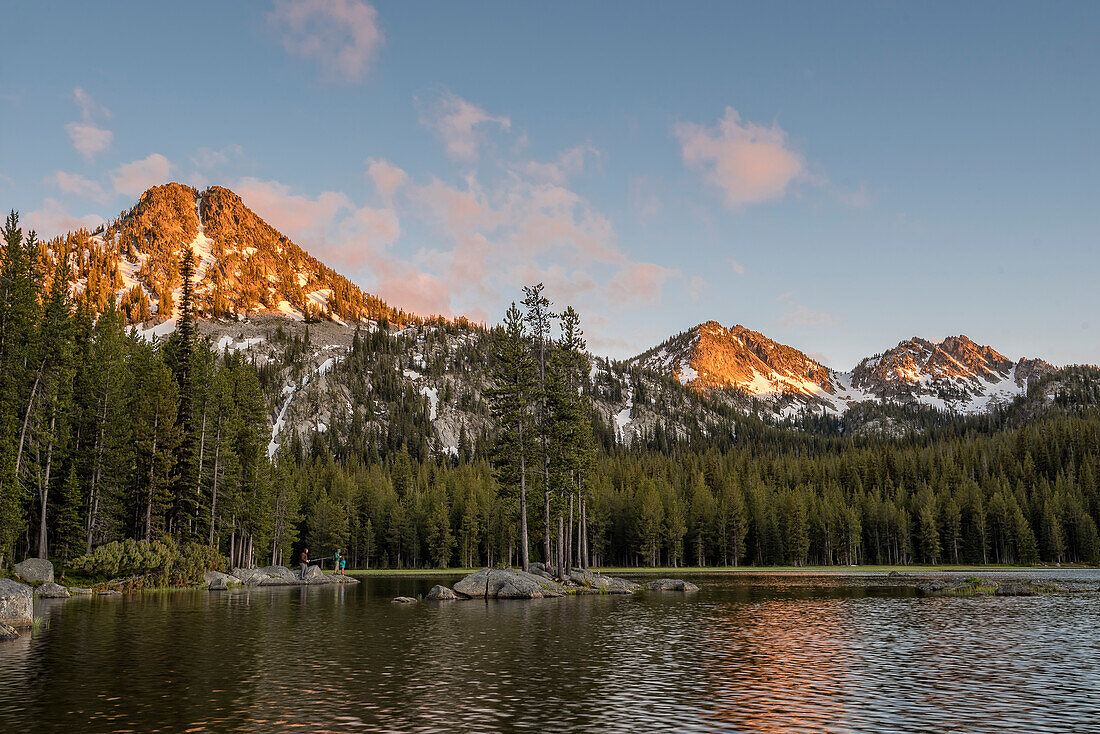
(105, 436)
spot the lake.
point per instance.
(748, 653)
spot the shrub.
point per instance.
(163, 562)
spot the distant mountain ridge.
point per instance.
(955, 374)
(251, 281)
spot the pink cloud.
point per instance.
(133, 178)
(76, 185)
(88, 139)
(300, 217)
(639, 282)
(387, 177)
(569, 163)
(736, 267)
(457, 122)
(342, 36)
(52, 219)
(749, 163)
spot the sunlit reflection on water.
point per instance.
(746, 654)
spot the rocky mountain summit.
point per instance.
(955, 374)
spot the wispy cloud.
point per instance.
(133, 178)
(342, 36)
(748, 163)
(86, 136)
(76, 185)
(797, 314)
(642, 198)
(736, 267)
(53, 219)
(207, 158)
(458, 123)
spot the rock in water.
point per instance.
(211, 576)
(442, 593)
(50, 590)
(507, 583)
(404, 600)
(7, 632)
(80, 591)
(219, 584)
(16, 604)
(279, 576)
(670, 585)
(35, 570)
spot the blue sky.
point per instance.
(839, 176)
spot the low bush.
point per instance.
(163, 562)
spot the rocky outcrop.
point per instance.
(974, 586)
(507, 583)
(7, 632)
(404, 600)
(585, 579)
(35, 571)
(212, 577)
(442, 593)
(669, 585)
(16, 604)
(218, 584)
(283, 576)
(50, 590)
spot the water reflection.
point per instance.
(747, 654)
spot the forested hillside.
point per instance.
(407, 450)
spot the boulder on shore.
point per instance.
(16, 604)
(210, 577)
(404, 600)
(7, 632)
(34, 571)
(670, 585)
(80, 591)
(50, 590)
(442, 593)
(218, 584)
(507, 583)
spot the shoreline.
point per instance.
(750, 570)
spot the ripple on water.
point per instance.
(747, 654)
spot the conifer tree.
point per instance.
(514, 385)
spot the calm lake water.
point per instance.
(764, 653)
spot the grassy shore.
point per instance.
(739, 570)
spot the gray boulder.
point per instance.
(108, 592)
(50, 590)
(622, 586)
(218, 584)
(279, 576)
(80, 591)
(670, 585)
(404, 600)
(7, 632)
(584, 577)
(244, 575)
(16, 604)
(314, 575)
(507, 583)
(442, 593)
(210, 577)
(35, 571)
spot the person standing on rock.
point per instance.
(305, 562)
(336, 560)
